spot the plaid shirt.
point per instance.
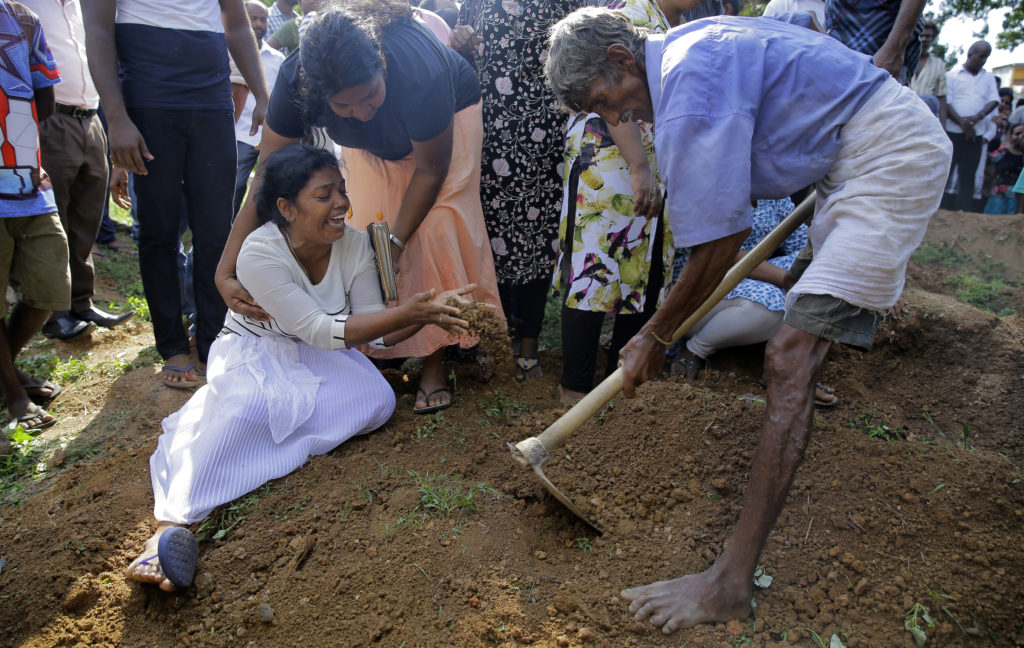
(864, 25)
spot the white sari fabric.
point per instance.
(269, 404)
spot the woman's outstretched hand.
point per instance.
(432, 308)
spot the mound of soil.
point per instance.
(427, 533)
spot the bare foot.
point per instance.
(684, 602)
(146, 568)
(568, 396)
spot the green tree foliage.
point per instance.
(1012, 33)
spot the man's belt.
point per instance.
(75, 111)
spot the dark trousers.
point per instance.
(74, 154)
(247, 155)
(581, 330)
(194, 153)
(966, 155)
(524, 306)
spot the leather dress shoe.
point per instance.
(103, 318)
(67, 328)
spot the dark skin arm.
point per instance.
(643, 356)
(238, 298)
(242, 47)
(239, 93)
(967, 122)
(889, 57)
(45, 103)
(432, 160)
(127, 147)
(765, 271)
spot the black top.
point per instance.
(426, 84)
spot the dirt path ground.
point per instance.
(425, 533)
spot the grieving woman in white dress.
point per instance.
(282, 390)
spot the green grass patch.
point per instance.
(22, 462)
(992, 294)
(443, 496)
(941, 255)
(45, 364)
(878, 428)
(228, 516)
(499, 407)
(980, 281)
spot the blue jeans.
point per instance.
(247, 155)
(194, 159)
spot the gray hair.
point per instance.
(578, 51)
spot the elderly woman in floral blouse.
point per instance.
(614, 243)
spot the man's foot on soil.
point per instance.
(569, 397)
(689, 601)
(146, 568)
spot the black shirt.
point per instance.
(426, 84)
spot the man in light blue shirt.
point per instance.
(748, 109)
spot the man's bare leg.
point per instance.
(25, 321)
(723, 592)
(146, 568)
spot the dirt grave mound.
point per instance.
(427, 533)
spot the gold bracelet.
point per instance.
(655, 336)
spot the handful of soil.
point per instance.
(491, 330)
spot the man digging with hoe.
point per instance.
(747, 109)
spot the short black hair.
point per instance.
(284, 174)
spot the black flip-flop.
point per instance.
(39, 399)
(426, 399)
(177, 551)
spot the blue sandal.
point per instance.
(177, 551)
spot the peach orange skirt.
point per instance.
(450, 248)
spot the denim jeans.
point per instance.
(247, 155)
(194, 160)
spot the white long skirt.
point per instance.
(269, 404)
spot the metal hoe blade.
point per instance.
(532, 453)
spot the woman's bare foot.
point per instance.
(684, 602)
(146, 568)
(568, 396)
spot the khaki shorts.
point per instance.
(34, 256)
(829, 317)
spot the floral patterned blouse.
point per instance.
(605, 250)
(521, 174)
(766, 216)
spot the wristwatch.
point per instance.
(397, 241)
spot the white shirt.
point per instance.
(65, 34)
(189, 15)
(313, 313)
(968, 93)
(814, 7)
(271, 60)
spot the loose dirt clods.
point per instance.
(867, 540)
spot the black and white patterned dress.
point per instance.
(521, 181)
